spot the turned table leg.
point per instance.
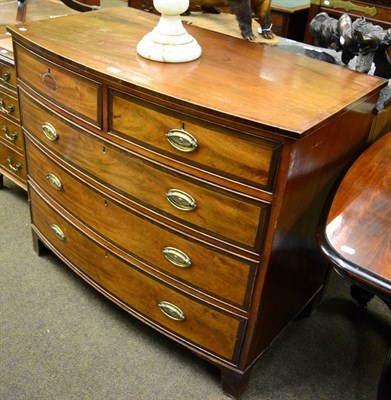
(234, 382)
(362, 296)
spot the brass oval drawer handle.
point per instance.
(177, 257)
(182, 140)
(49, 131)
(57, 231)
(13, 167)
(6, 109)
(9, 137)
(54, 181)
(6, 77)
(181, 200)
(171, 311)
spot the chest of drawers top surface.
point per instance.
(240, 81)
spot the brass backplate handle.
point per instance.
(181, 200)
(182, 140)
(13, 167)
(49, 131)
(177, 257)
(57, 231)
(6, 109)
(54, 181)
(5, 77)
(9, 137)
(171, 311)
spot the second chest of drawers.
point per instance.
(12, 162)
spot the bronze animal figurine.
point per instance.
(361, 39)
(244, 10)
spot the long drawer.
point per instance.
(75, 93)
(188, 318)
(253, 161)
(226, 215)
(204, 268)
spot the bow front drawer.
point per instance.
(68, 90)
(199, 265)
(226, 215)
(220, 151)
(186, 317)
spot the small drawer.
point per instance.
(13, 162)
(8, 76)
(226, 215)
(213, 272)
(9, 106)
(75, 93)
(173, 311)
(252, 161)
(11, 133)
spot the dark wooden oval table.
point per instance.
(357, 236)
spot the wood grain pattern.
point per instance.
(234, 218)
(273, 91)
(275, 129)
(359, 222)
(252, 161)
(210, 271)
(206, 326)
(70, 91)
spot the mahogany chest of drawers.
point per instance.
(188, 194)
(12, 163)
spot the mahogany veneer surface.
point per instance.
(270, 93)
(357, 238)
(359, 223)
(188, 194)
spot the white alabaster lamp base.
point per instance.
(169, 41)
